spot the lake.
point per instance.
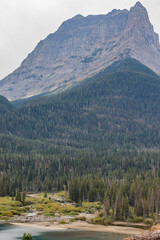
(9, 232)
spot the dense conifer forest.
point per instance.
(99, 141)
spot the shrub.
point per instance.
(67, 200)
(148, 221)
(67, 209)
(26, 208)
(39, 214)
(88, 205)
(61, 194)
(16, 204)
(100, 214)
(45, 201)
(45, 195)
(138, 219)
(129, 220)
(80, 218)
(62, 222)
(108, 222)
(48, 213)
(98, 220)
(7, 213)
(27, 236)
(71, 220)
(73, 213)
(39, 207)
(15, 212)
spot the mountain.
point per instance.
(5, 105)
(108, 127)
(118, 107)
(82, 47)
(5, 109)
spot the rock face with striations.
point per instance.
(80, 48)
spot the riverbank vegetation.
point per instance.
(125, 183)
(59, 208)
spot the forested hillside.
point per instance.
(116, 108)
(5, 110)
(102, 136)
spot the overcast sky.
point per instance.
(23, 23)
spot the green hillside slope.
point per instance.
(5, 110)
(107, 127)
(120, 108)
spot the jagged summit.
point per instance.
(140, 12)
(81, 47)
(78, 16)
(139, 4)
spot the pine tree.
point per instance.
(23, 198)
(18, 196)
(106, 207)
(125, 210)
(118, 208)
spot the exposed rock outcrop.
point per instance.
(155, 235)
(80, 48)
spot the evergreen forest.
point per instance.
(99, 141)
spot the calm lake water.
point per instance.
(9, 232)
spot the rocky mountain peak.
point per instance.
(138, 15)
(139, 5)
(81, 47)
(139, 21)
(78, 17)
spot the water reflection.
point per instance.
(9, 232)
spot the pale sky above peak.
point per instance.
(23, 23)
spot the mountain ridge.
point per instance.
(81, 47)
(104, 112)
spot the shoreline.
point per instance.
(81, 226)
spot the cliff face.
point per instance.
(80, 48)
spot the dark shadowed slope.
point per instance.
(120, 108)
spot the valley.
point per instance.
(80, 129)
